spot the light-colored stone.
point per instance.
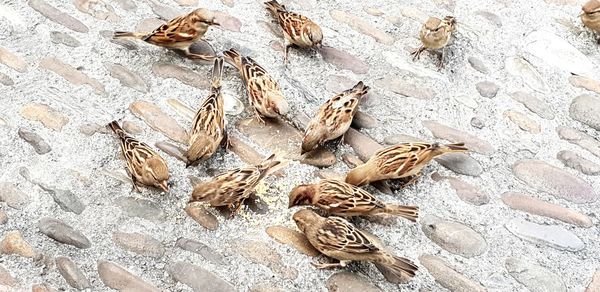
(349, 282)
(405, 88)
(58, 16)
(460, 163)
(535, 278)
(63, 233)
(547, 178)
(447, 276)
(478, 65)
(126, 77)
(198, 278)
(14, 243)
(199, 213)
(487, 89)
(586, 83)
(557, 52)
(70, 73)
(536, 206)
(594, 285)
(523, 122)
(519, 67)
(12, 196)
(343, 60)
(158, 120)
(538, 106)
(359, 24)
(579, 138)
(260, 253)
(550, 235)
(11, 60)
(58, 37)
(575, 161)
(453, 236)
(471, 141)
(141, 244)
(586, 109)
(48, 116)
(72, 274)
(118, 278)
(100, 10)
(202, 249)
(185, 75)
(292, 237)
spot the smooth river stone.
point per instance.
(586, 83)
(227, 21)
(575, 161)
(58, 16)
(6, 279)
(557, 52)
(280, 137)
(523, 121)
(579, 138)
(70, 73)
(586, 109)
(405, 88)
(460, 163)
(141, 208)
(141, 244)
(453, 236)
(202, 249)
(185, 75)
(363, 145)
(48, 116)
(98, 9)
(261, 253)
(292, 237)
(159, 120)
(551, 235)
(14, 243)
(35, 140)
(547, 178)
(343, 60)
(538, 106)
(447, 276)
(535, 278)
(58, 37)
(359, 24)
(63, 233)
(126, 77)
(471, 141)
(594, 285)
(198, 278)
(349, 282)
(519, 67)
(11, 60)
(202, 216)
(12, 196)
(536, 206)
(118, 278)
(72, 274)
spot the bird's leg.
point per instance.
(407, 181)
(194, 56)
(225, 141)
(235, 207)
(339, 264)
(259, 117)
(285, 54)
(417, 53)
(440, 64)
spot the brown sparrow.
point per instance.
(179, 33)
(208, 127)
(145, 165)
(435, 34)
(399, 161)
(233, 187)
(298, 29)
(334, 117)
(339, 239)
(343, 199)
(591, 16)
(263, 92)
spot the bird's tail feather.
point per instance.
(400, 271)
(233, 57)
(275, 7)
(128, 34)
(408, 212)
(217, 73)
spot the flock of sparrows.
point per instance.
(333, 235)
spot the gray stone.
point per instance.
(447, 276)
(36, 141)
(72, 274)
(467, 192)
(586, 109)
(198, 278)
(536, 206)
(550, 235)
(58, 37)
(260, 253)
(126, 77)
(579, 138)
(405, 87)
(575, 161)
(349, 282)
(547, 178)
(58, 16)
(65, 199)
(120, 279)
(5, 80)
(12, 196)
(478, 65)
(471, 141)
(460, 163)
(362, 120)
(453, 236)
(134, 207)
(71, 74)
(3, 217)
(200, 248)
(63, 233)
(487, 89)
(535, 278)
(343, 60)
(534, 104)
(362, 144)
(141, 244)
(477, 123)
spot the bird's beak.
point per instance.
(163, 186)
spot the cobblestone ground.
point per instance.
(520, 87)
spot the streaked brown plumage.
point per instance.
(343, 199)
(399, 161)
(145, 165)
(263, 91)
(298, 29)
(233, 187)
(339, 239)
(179, 33)
(590, 16)
(435, 34)
(208, 127)
(334, 117)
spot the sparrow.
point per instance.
(263, 92)
(343, 199)
(334, 117)
(339, 239)
(208, 127)
(298, 29)
(145, 165)
(435, 34)
(591, 16)
(403, 160)
(179, 33)
(233, 187)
